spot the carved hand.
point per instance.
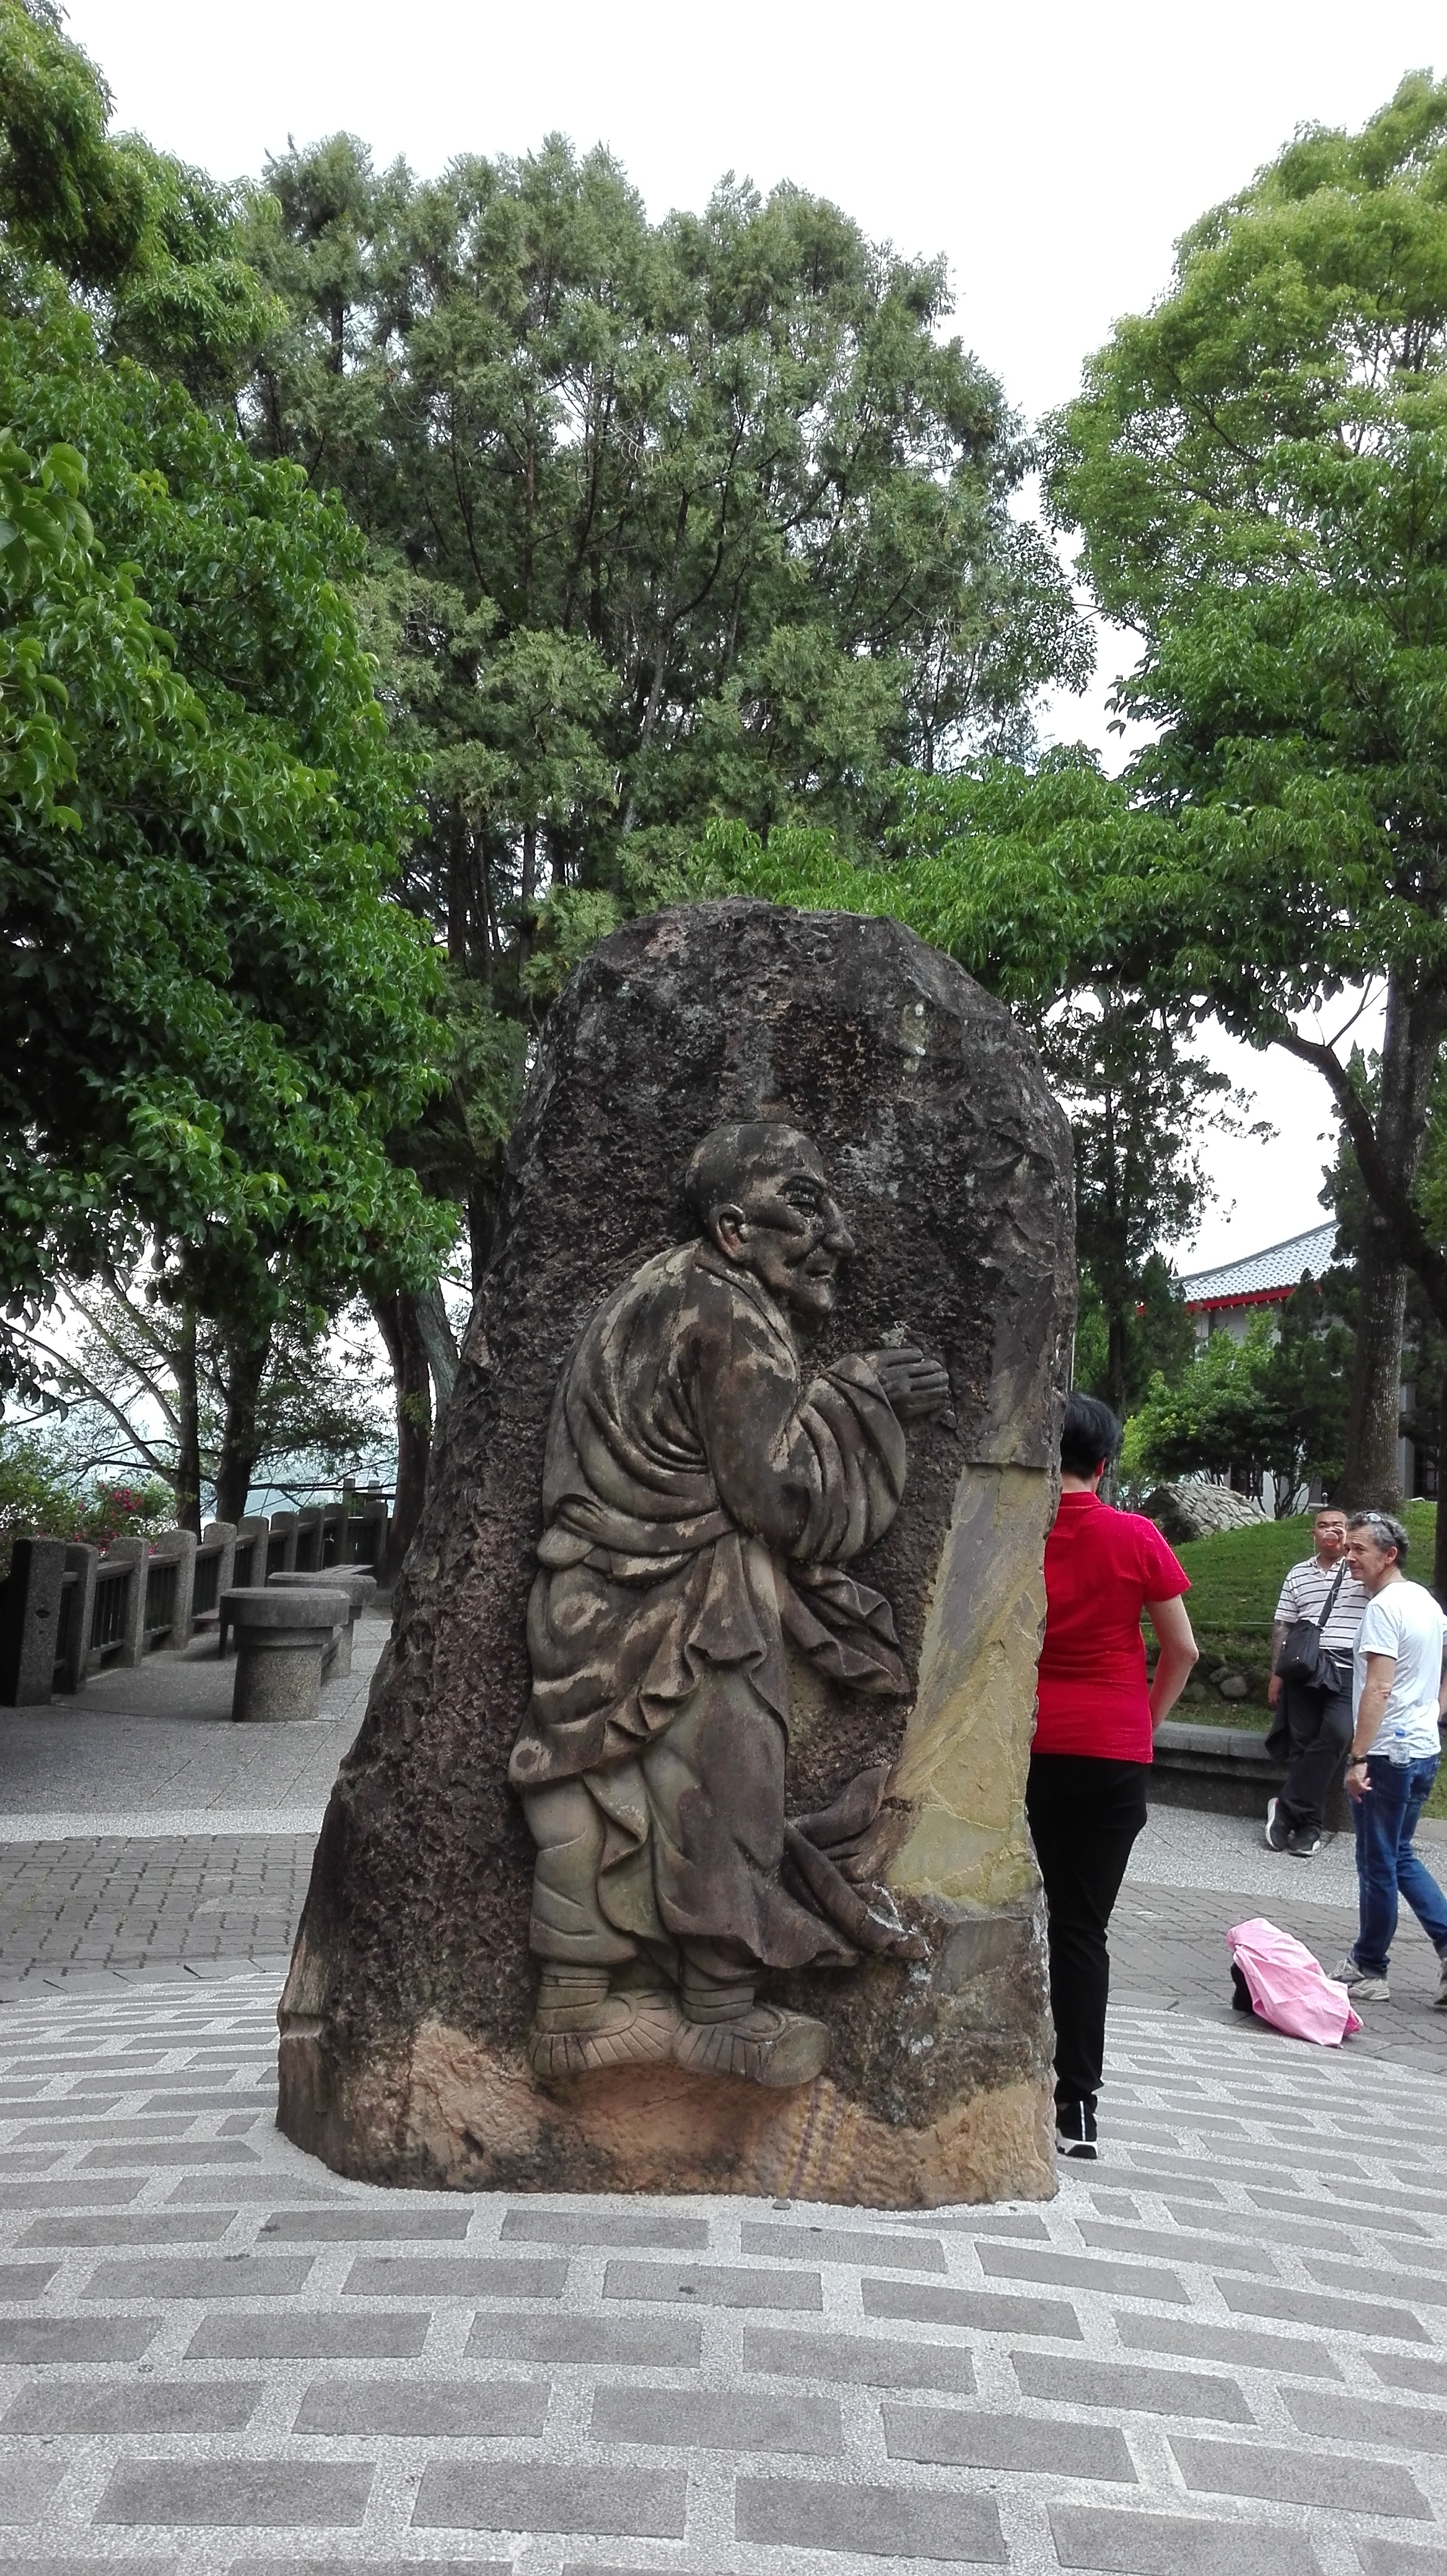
(916, 1386)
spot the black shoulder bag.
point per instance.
(1303, 1657)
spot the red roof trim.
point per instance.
(1249, 1297)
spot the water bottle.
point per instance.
(1397, 1748)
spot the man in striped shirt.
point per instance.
(1313, 1727)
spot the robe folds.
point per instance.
(700, 1501)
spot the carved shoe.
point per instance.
(765, 2045)
(578, 2029)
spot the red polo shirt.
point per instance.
(1100, 1567)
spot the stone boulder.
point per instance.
(410, 2046)
(1184, 1512)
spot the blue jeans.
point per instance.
(1387, 1866)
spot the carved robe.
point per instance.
(699, 1500)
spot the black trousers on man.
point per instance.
(1317, 1726)
(1084, 1816)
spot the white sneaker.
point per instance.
(1365, 1989)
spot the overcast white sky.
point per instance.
(1053, 153)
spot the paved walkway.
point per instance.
(1221, 2352)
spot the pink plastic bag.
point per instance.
(1288, 1987)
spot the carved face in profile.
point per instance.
(762, 1197)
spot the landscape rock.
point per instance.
(1185, 1512)
(409, 2047)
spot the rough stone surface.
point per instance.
(411, 1990)
(1184, 1512)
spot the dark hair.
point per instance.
(1089, 1433)
(1385, 1528)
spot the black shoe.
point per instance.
(1075, 2131)
(1305, 1843)
(1278, 1832)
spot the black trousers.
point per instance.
(1318, 1730)
(1084, 1816)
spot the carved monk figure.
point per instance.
(701, 1497)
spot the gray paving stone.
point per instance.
(1366, 2284)
(484, 2410)
(204, 2189)
(139, 2227)
(1318, 2308)
(870, 2522)
(669, 2233)
(712, 2285)
(1083, 2272)
(26, 2489)
(62, 2193)
(350, 2225)
(373, 2566)
(1358, 2419)
(1127, 2388)
(201, 2276)
(25, 2280)
(135, 2406)
(299, 2336)
(1201, 2342)
(663, 2343)
(1426, 2372)
(39, 2339)
(89, 2566)
(900, 2252)
(857, 2360)
(970, 2221)
(260, 2495)
(506, 2495)
(712, 2419)
(147, 2155)
(1109, 2236)
(1295, 2477)
(1158, 2544)
(962, 2437)
(1396, 2558)
(989, 2311)
(461, 2276)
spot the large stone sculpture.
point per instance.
(699, 1497)
(682, 1847)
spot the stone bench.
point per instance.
(359, 1587)
(1228, 1771)
(281, 1638)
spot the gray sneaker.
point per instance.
(1364, 1989)
(1305, 1843)
(1278, 1834)
(1439, 2000)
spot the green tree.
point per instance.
(1273, 1405)
(1259, 470)
(214, 1015)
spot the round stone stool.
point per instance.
(281, 1638)
(358, 1585)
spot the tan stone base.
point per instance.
(449, 2116)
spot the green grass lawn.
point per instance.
(1236, 1576)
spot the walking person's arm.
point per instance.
(1179, 1653)
(1371, 1709)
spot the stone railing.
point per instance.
(68, 1610)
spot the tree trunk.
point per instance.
(1411, 1038)
(400, 1326)
(1440, 1552)
(1439, 1563)
(245, 1365)
(440, 1345)
(1372, 1476)
(187, 1477)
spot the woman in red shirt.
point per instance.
(1095, 1721)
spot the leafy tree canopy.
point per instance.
(212, 1018)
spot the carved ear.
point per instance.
(725, 1221)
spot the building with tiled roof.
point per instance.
(1224, 1299)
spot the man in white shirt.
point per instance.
(1399, 1690)
(1313, 1725)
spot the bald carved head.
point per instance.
(760, 1194)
